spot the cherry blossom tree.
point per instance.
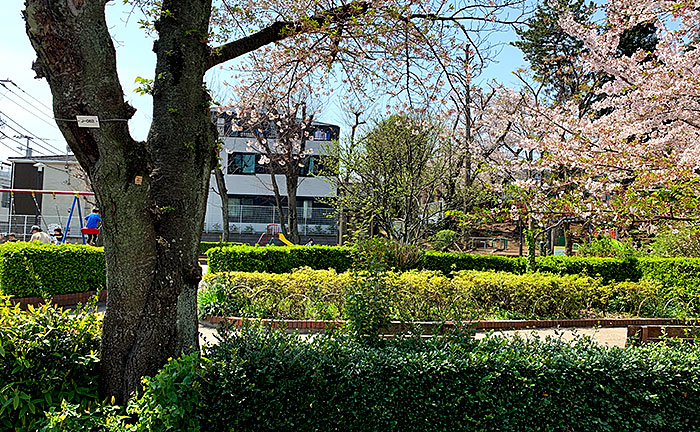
(153, 193)
(631, 160)
(281, 132)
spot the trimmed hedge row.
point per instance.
(425, 295)
(205, 246)
(676, 274)
(278, 259)
(41, 270)
(262, 381)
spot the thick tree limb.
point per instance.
(281, 30)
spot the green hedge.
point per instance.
(46, 356)
(678, 275)
(427, 295)
(278, 259)
(41, 270)
(260, 381)
(205, 246)
(447, 262)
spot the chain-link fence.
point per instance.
(249, 219)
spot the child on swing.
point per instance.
(92, 221)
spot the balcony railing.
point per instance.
(250, 219)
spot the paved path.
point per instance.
(606, 336)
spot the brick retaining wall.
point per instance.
(59, 299)
(430, 327)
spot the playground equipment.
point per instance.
(271, 233)
(76, 203)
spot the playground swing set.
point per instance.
(76, 204)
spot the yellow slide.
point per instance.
(285, 241)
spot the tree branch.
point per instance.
(281, 30)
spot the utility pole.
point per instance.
(28, 150)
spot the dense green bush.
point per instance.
(443, 240)
(447, 262)
(278, 259)
(608, 248)
(261, 381)
(205, 246)
(424, 295)
(680, 276)
(674, 242)
(609, 269)
(46, 356)
(41, 270)
(379, 254)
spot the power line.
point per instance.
(51, 148)
(47, 150)
(22, 90)
(32, 113)
(42, 112)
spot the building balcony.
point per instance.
(251, 219)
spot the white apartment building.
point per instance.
(251, 199)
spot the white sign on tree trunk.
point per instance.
(88, 121)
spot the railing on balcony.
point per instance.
(250, 219)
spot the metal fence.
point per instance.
(249, 219)
(21, 225)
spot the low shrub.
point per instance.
(423, 295)
(41, 270)
(205, 246)
(306, 293)
(530, 295)
(269, 381)
(278, 259)
(609, 269)
(608, 248)
(447, 262)
(380, 253)
(678, 275)
(47, 356)
(443, 240)
(674, 242)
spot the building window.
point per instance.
(5, 200)
(235, 206)
(241, 163)
(308, 168)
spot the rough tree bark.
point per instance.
(152, 194)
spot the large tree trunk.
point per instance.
(153, 194)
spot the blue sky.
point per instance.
(28, 113)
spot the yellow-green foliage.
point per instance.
(426, 295)
(532, 294)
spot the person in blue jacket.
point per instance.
(92, 221)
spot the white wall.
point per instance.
(56, 209)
